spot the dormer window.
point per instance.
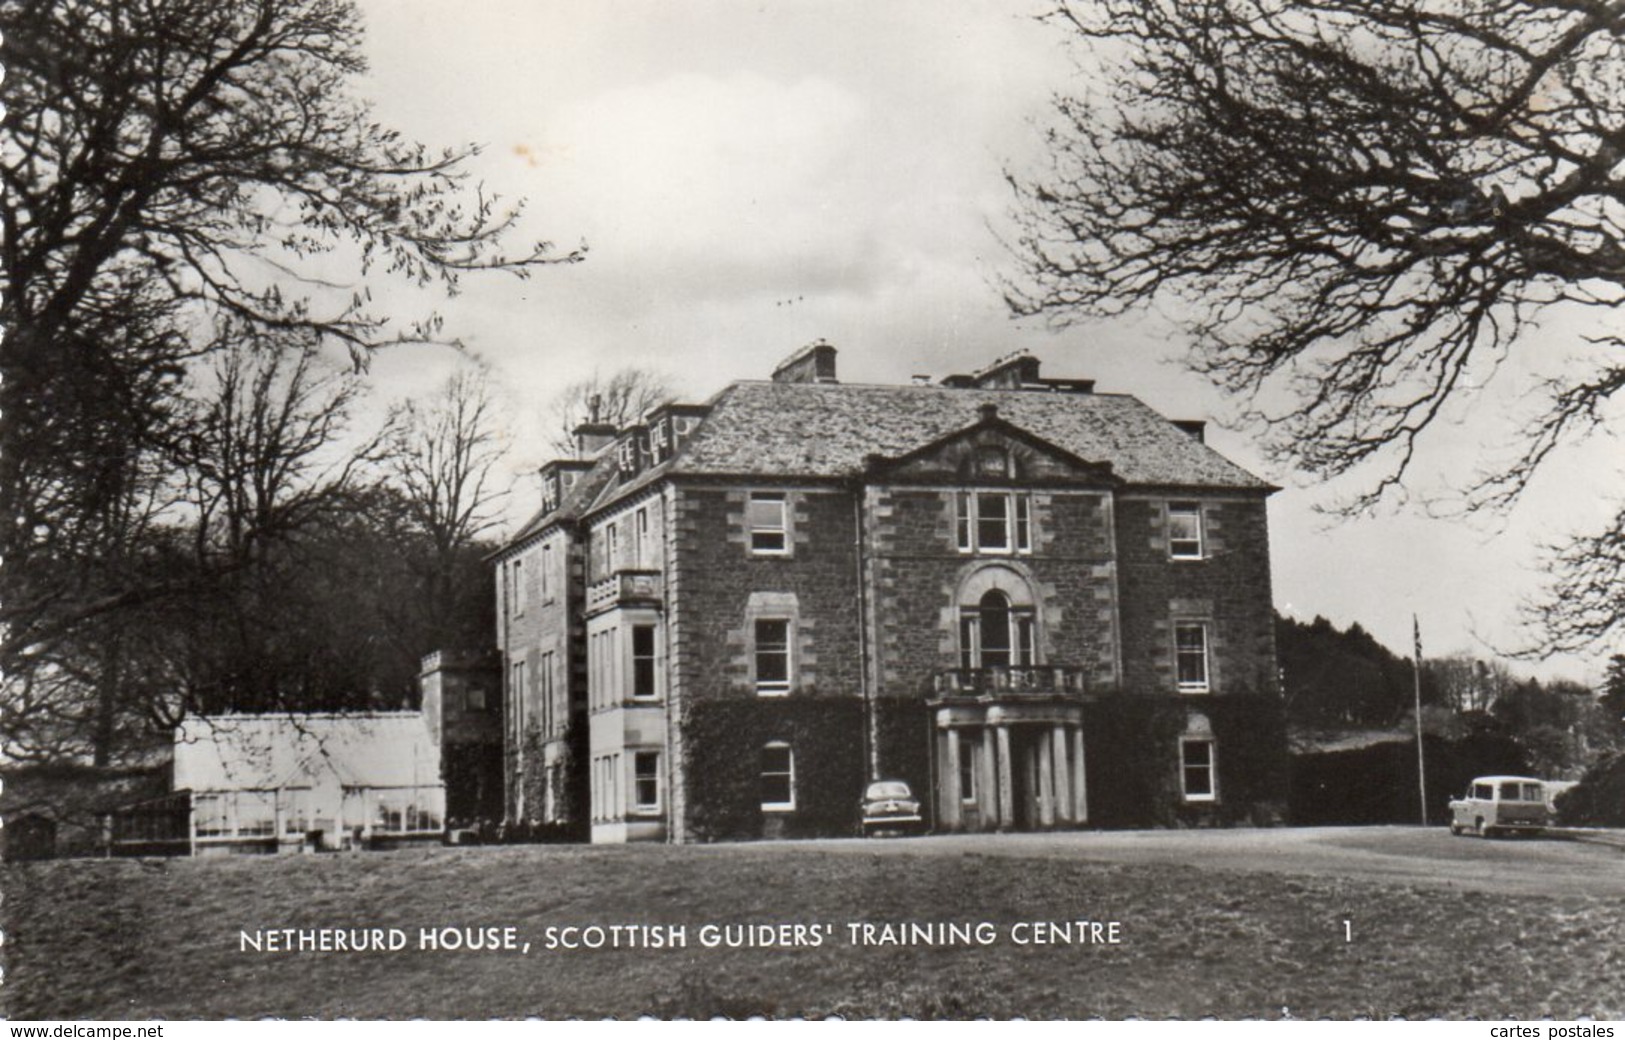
(994, 522)
(660, 440)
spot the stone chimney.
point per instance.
(592, 438)
(1010, 372)
(814, 363)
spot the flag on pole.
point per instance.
(1416, 630)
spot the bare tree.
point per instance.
(618, 399)
(1362, 206)
(1465, 683)
(179, 173)
(444, 463)
(268, 466)
(445, 450)
(266, 455)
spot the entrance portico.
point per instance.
(1009, 748)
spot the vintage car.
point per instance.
(890, 807)
(1500, 804)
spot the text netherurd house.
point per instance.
(1041, 606)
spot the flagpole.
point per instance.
(1421, 768)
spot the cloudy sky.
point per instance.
(752, 176)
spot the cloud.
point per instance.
(720, 185)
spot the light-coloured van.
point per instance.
(1499, 804)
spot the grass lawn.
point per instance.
(139, 939)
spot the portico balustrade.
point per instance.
(1001, 681)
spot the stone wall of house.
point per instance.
(462, 706)
(550, 623)
(716, 590)
(1132, 761)
(919, 574)
(1229, 589)
(723, 588)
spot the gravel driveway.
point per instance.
(1431, 856)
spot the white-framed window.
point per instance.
(606, 788)
(407, 810)
(606, 669)
(767, 520)
(643, 662)
(544, 674)
(516, 702)
(995, 635)
(1190, 656)
(545, 567)
(771, 656)
(256, 813)
(226, 814)
(640, 538)
(595, 790)
(646, 781)
(778, 777)
(1185, 531)
(612, 547)
(519, 597)
(994, 522)
(295, 802)
(210, 817)
(1198, 769)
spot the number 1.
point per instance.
(1348, 931)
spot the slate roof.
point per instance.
(822, 430)
(573, 502)
(826, 430)
(260, 752)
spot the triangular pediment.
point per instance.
(991, 451)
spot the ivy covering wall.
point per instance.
(1132, 761)
(723, 741)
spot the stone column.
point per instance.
(1007, 809)
(988, 796)
(1080, 784)
(1063, 775)
(1046, 786)
(950, 781)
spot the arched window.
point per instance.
(993, 634)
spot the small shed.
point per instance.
(289, 782)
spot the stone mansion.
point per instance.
(1041, 606)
